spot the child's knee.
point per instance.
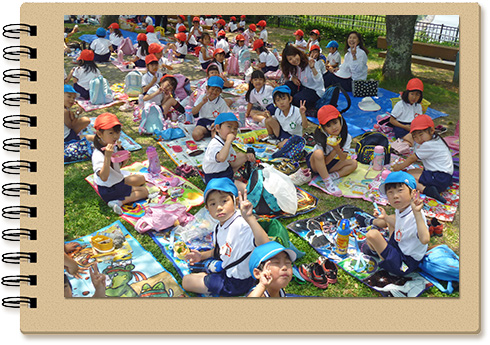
(352, 165)
(317, 156)
(372, 235)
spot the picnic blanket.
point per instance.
(88, 106)
(138, 273)
(191, 195)
(360, 121)
(127, 142)
(320, 232)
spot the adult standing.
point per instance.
(354, 66)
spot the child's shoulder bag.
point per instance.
(367, 143)
(100, 91)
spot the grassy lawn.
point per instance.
(86, 212)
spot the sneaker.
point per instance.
(115, 205)
(314, 274)
(332, 188)
(271, 139)
(329, 268)
(435, 227)
(300, 177)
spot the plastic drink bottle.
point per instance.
(343, 233)
(241, 115)
(188, 114)
(378, 158)
(170, 56)
(154, 166)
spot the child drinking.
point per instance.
(259, 98)
(405, 110)
(437, 174)
(115, 189)
(272, 266)
(84, 73)
(329, 156)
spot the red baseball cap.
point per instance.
(150, 28)
(262, 23)
(243, 16)
(240, 37)
(182, 28)
(106, 121)
(233, 18)
(114, 26)
(196, 19)
(154, 48)
(421, 122)
(221, 33)
(86, 55)
(327, 113)
(181, 36)
(150, 58)
(313, 47)
(217, 51)
(253, 27)
(182, 17)
(141, 37)
(415, 84)
(299, 32)
(258, 43)
(221, 21)
(315, 31)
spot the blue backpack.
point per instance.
(132, 83)
(331, 97)
(151, 119)
(99, 91)
(440, 263)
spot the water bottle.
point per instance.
(170, 56)
(378, 158)
(154, 166)
(188, 114)
(241, 116)
(343, 233)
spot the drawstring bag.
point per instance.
(169, 134)
(161, 217)
(292, 149)
(78, 150)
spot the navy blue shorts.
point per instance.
(400, 132)
(72, 136)
(84, 93)
(227, 173)
(119, 191)
(205, 123)
(393, 259)
(102, 58)
(440, 180)
(180, 56)
(283, 134)
(219, 284)
(329, 165)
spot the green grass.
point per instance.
(86, 212)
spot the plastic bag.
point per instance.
(282, 187)
(199, 228)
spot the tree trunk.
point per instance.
(105, 21)
(400, 31)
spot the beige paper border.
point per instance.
(56, 314)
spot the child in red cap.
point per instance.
(142, 51)
(263, 32)
(219, 59)
(115, 36)
(151, 35)
(113, 187)
(180, 47)
(232, 25)
(205, 52)
(84, 73)
(329, 156)
(300, 43)
(267, 60)
(314, 39)
(437, 174)
(249, 35)
(242, 23)
(222, 42)
(180, 21)
(195, 34)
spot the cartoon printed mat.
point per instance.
(320, 233)
(306, 203)
(360, 121)
(239, 88)
(138, 274)
(126, 141)
(192, 196)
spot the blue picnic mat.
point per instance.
(132, 35)
(360, 121)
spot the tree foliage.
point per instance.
(105, 21)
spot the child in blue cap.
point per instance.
(288, 120)
(220, 159)
(272, 265)
(207, 107)
(101, 46)
(74, 123)
(235, 237)
(408, 233)
(333, 58)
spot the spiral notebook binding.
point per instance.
(15, 302)
(16, 76)
(14, 121)
(15, 234)
(13, 76)
(14, 167)
(13, 30)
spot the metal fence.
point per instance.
(426, 32)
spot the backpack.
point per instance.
(183, 88)
(132, 83)
(440, 263)
(244, 61)
(151, 119)
(331, 97)
(292, 149)
(232, 67)
(78, 150)
(99, 91)
(126, 46)
(367, 143)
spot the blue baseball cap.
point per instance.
(224, 117)
(398, 177)
(223, 184)
(266, 251)
(101, 32)
(69, 89)
(282, 89)
(216, 81)
(332, 44)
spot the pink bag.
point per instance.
(127, 47)
(453, 140)
(382, 124)
(233, 68)
(160, 217)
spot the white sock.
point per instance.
(334, 175)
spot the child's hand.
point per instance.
(230, 137)
(417, 203)
(302, 108)
(109, 150)
(71, 247)
(381, 215)
(311, 62)
(396, 167)
(73, 268)
(266, 275)
(246, 207)
(98, 280)
(296, 81)
(251, 157)
(193, 257)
